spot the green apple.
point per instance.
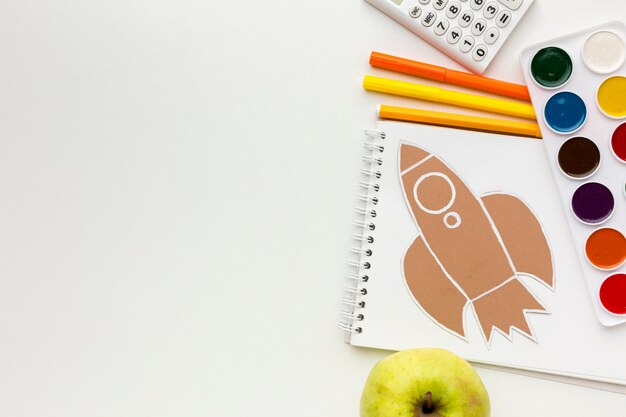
(424, 383)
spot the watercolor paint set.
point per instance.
(578, 88)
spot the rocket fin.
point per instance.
(432, 289)
(505, 307)
(522, 236)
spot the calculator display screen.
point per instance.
(398, 2)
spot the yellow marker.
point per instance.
(459, 120)
(439, 95)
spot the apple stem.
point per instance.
(428, 406)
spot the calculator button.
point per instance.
(453, 9)
(424, 1)
(440, 4)
(442, 27)
(479, 53)
(467, 43)
(415, 12)
(491, 36)
(479, 26)
(504, 18)
(491, 10)
(466, 18)
(512, 4)
(428, 19)
(454, 35)
(477, 4)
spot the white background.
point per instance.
(175, 201)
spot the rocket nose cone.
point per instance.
(410, 155)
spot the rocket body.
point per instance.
(470, 249)
(456, 227)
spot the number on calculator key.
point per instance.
(491, 10)
(466, 18)
(442, 27)
(453, 10)
(479, 53)
(477, 4)
(467, 43)
(454, 35)
(479, 27)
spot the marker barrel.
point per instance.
(445, 75)
(459, 120)
(439, 95)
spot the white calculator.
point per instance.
(469, 31)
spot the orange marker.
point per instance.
(445, 75)
(459, 120)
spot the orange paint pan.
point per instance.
(445, 75)
(606, 249)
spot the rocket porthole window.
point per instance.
(434, 193)
(452, 220)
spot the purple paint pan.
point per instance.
(593, 203)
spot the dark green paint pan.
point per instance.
(551, 67)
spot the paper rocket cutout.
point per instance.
(470, 250)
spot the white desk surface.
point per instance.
(175, 180)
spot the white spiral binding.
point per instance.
(353, 303)
(366, 212)
(361, 224)
(371, 172)
(375, 134)
(367, 199)
(372, 161)
(352, 316)
(370, 146)
(359, 262)
(363, 238)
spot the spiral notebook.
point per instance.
(461, 243)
